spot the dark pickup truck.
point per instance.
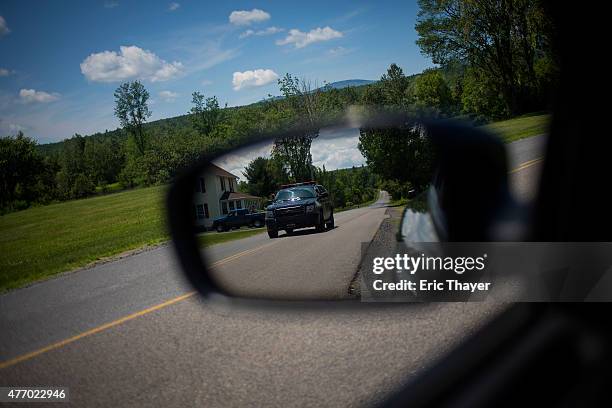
(239, 218)
(300, 205)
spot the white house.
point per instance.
(216, 194)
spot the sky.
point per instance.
(334, 148)
(60, 61)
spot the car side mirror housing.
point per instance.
(469, 197)
(466, 169)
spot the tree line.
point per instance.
(494, 61)
(347, 187)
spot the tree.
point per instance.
(103, 159)
(132, 110)
(350, 186)
(305, 110)
(74, 169)
(481, 97)
(394, 86)
(504, 39)
(263, 177)
(205, 113)
(373, 95)
(399, 154)
(431, 91)
(20, 165)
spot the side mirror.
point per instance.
(470, 186)
(280, 254)
(469, 197)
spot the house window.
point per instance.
(231, 184)
(202, 185)
(224, 207)
(200, 210)
(222, 183)
(239, 204)
(231, 203)
(206, 213)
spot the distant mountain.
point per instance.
(350, 82)
(336, 85)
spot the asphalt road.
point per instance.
(130, 332)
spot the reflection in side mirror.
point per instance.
(309, 208)
(310, 216)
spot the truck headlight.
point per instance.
(269, 214)
(310, 208)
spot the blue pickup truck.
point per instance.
(239, 218)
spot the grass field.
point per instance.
(352, 207)
(109, 188)
(42, 241)
(521, 127)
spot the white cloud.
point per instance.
(245, 17)
(255, 78)
(334, 149)
(338, 51)
(236, 161)
(337, 149)
(246, 34)
(4, 72)
(3, 27)
(173, 6)
(110, 4)
(301, 39)
(265, 31)
(13, 127)
(32, 95)
(130, 63)
(206, 82)
(168, 96)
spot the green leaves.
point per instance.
(264, 176)
(432, 92)
(403, 155)
(502, 40)
(205, 113)
(132, 110)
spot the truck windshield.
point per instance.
(294, 193)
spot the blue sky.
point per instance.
(61, 61)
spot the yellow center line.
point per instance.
(167, 303)
(62, 343)
(526, 164)
(241, 254)
(72, 339)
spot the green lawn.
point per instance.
(109, 188)
(521, 127)
(352, 207)
(44, 241)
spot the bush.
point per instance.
(82, 186)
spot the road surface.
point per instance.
(130, 332)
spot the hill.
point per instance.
(182, 121)
(350, 82)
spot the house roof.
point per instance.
(219, 171)
(237, 196)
